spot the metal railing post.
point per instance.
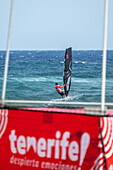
(7, 54)
(104, 59)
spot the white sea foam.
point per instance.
(79, 62)
(93, 63)
(62, 62)
(21, 56)
(70, 97)
(80, 80)
(29, 79)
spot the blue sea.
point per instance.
(32, 75)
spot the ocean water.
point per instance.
(32, 75)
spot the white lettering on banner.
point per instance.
(13, 139)
(57, 166)
(46, 147)
(64, 144)
(24, 162)
(31, 142)
(85, 140)
(42, 147)
(74, 151)
(21, 145)
(50, 145)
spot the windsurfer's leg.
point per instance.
(64, 96)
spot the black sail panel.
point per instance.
(67, 70)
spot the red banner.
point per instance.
(54, 141)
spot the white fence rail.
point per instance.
(54, 102)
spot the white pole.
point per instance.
(104, 59)
(7, 53)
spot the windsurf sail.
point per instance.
(67, 70)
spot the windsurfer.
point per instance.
(58, 88)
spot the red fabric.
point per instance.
(50, 140)
(58, 88)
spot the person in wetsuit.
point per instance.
(58, 88)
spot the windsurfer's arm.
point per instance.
(63, 85)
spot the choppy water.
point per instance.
(32, 75)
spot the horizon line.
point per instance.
(99, 49)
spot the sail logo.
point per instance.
(3, 121)
(67, 56)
